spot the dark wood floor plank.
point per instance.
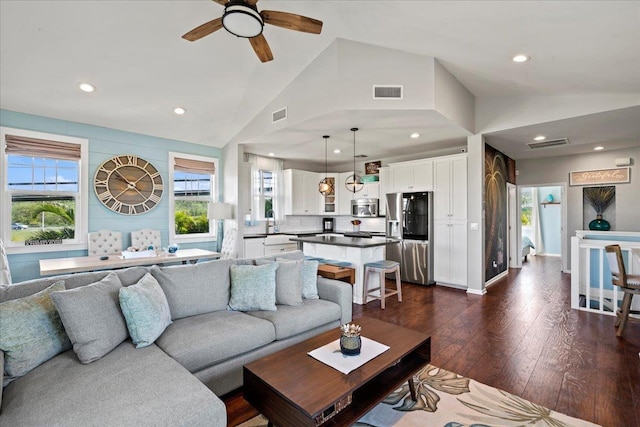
(521, 337)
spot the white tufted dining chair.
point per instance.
(229, 249)
(5, 273)
(105, 242)
(146, 237)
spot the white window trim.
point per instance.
(213, 225)
(80, 241)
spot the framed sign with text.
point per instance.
(600, 176)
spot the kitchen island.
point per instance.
(355, 250)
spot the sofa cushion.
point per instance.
(195, 289)
(127, 387)
(92, 318)
(200, 341)
(31, 332)
(145, 310)
(289, 320)
(288, 284)
(253, 287)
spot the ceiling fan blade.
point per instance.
(221, 2)
(203, 30)
(291, 21)
(252, 2)
(261, 48)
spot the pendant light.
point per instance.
(354, 182)
(325, 186)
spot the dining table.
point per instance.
(55, 266)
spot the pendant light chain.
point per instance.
(354, 183)
(324, 186)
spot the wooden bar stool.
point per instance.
(383, 267)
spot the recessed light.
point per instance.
(598, 148)
(337, 151)
(179, 111)
(540, 138)
(272, 154)
(415, 135)
(520, 58)
(86, 87)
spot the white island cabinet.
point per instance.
(356, 251)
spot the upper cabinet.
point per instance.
(450, 188)
(412, 176)
(386, 186)
(370, 190)
(344, 196)
(301, 192)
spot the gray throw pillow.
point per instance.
(308, 277)
(288, 284)
(92, 318)
(253, 287)
(145, 309)
(31, 332)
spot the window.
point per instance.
(194, 189)
(526, 205)
(264, 193)
(43, 188)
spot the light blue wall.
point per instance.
(551, 220)
(103, 144)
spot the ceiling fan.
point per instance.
(241, 18)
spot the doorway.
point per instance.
(539, 226)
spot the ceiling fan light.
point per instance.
(241, 20)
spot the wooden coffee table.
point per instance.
(291, 388)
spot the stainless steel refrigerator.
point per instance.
(409, 232)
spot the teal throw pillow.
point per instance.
(253, 287)
(288, 284)
(31, 332)
(145, 309)
(92, 318)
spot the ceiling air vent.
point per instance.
(387, 92)
(278, 115)
(549, 143)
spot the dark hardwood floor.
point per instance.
(521, 337)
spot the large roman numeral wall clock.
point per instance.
(128, 185)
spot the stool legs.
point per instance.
(365, 282)
(398, 284)
(383, 292)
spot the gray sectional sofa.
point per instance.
(176, 380)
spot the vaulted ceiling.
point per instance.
(133, 53)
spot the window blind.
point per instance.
(34, 147)
(194, 166)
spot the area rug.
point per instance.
(446, 399)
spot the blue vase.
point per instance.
(549, 198)
(599, 224)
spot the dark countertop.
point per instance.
(354, 242)
(305, 234)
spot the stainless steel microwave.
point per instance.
(364, 207)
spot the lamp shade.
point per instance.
(222, 211)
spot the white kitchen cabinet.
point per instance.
(386, 186)
(450, 253)
(279, 249)
(253, 248)
(450, 220)
(450, 188)
(370, 190)
(301, 192)
(412, 176)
